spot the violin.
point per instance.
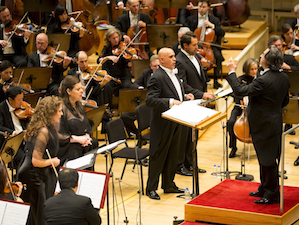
(74, 26)
(51, 53)
(123, 50)
(89, 105)
(25, 111)
(13, 82)
(97, 75)
(18, 29)
(15, 188)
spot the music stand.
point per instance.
(40, 5)
(62, 39)
(32, 98)
(162, 35)
(37, 77)
(177, 4)
(129, 99)
(96, 116)
(138, 66)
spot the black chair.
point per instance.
(116, 131)
(143, 113)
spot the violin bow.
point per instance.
(55, 171)
(123, 51)
(78, 14)
(50, 65)
(8, 39)
(8, 180)
(20, 78)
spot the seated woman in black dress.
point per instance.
(5, 192)
(74, 122)
(6, 72)
(36, 170)
(250, 69)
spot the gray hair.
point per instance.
(274, 38)
(296, 7)
(183, 30)
(274, 58)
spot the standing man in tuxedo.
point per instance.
(9, 122)
(200, 20)
(165, 89)
(13, 50)
(268, 94)
(191, 71)
(295, 21)
(67, 207)
(35, 60)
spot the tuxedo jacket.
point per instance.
(57, 71)
(18, 43)
(190, 74)
(268, 94)
(292, 22)
(160, 90)
(69, 208)
(143, 79)
(192, 22)
(123, 22)
(6, 123)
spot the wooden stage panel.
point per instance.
(223, 204)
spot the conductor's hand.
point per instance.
(3, 43)
(189, 6)
(231, 66)
(56, 161)
(189, 96)
(208, 95)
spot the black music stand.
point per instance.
(10, 148)
(161, 35)
(129, 99)
(95, 117)
(37, 77)
(39, 5)
(62, 39)
(138, 66)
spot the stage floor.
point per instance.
(229, 203)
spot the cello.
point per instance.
(241, 128)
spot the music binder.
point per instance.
(8, 210)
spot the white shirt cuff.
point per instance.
(231, 72)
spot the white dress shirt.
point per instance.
(133, 19)
(193, 60)
(15, 119)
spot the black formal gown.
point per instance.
(40, 181)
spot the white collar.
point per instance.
(10, 108)
(191, 57)
(169, 71)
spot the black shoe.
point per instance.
(201, 170)
(144, 162)
(296, 163)
(256, 194)
(183, 171)
(232, 153)
(153, 195)
(174, 190)
(284, 176)
(217, 85)
(266, 201)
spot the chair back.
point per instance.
(115, 130)
(143, 117)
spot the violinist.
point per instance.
(193, 74)
(291, 43)
(6, 73)
(60, 18)
(203, 19)
(100, 93)
(40, 59)
(9, 122)
(14, 48)
(36, 170)
(250, 67)
(74, 122)
(117, 67)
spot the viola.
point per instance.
(123, 50)
(25, 111)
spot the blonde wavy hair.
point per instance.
(43, 115)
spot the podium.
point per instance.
(207, 118)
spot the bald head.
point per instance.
(82, 60)
(41, 42)
(167, 58)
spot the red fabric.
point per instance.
(234, 194)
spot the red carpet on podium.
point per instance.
(234, 195)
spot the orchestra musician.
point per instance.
(40, 59)
(6, 73)
(199, 20)
(268, 94)
(61, 17)
(193, 74)
(250, 68)
(13, 49)
(67, 207)
(100, 93)
(117, 67)
(140, 83)
(165, 90)
(10, 123)
(36, 170)
(294, 22)
(289, 41)
(74, 122)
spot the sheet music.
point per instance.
(111, 146)
(91, 185)
(190, 112)
(79, 162)
(225, 92)
(8, 212)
